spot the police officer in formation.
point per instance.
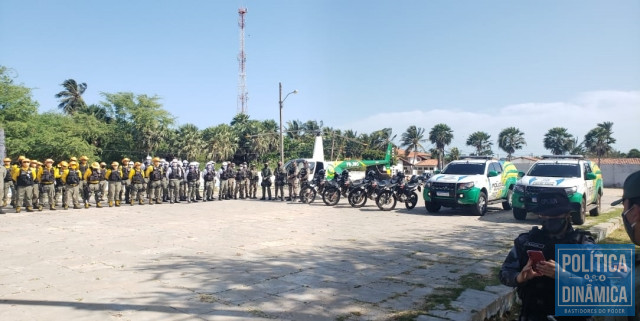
(92, 177)
(266, 180)
(281, 180)
(115, 178)
(292, 176)
(253, 182)
(241, 175)
(193, 176)
(47, 178)
(209, 176)
(175, 174)
(224, 181)
(155, 173)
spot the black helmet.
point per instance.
(345, 172)
(371, 173)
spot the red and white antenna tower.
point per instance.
(242, 60)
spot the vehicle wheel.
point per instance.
(386, 201)
(432, 207)
(598, 209)
(412, 201)
(520, 214)
(331, 196)
(358, 198)
(506, 205)
(308, 195)
(481, 207)
(578, 218)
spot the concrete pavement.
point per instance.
(247, 260)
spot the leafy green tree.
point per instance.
(412, 139)
(141, 122)
(71, 97)
(454, 154)
(16, 103)
(511, 139)
(633, 153)
(558, 141)
(441, 136)
(598, 141)
(481, 142)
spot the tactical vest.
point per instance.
(229, 173)
(223, 175)
(137, 177)
(175, 173)
(208, 177)
(47, 176)
(535, 292)
(25, 178)
(73, 177)
(83, 169)
(95, 175)
(266, 172)
(192, 175)
(115, 176)
(157, 174)
(7, 178)
(303, 173)
(125, 171)
(241, 174)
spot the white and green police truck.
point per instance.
(579, 177)
(472, 182)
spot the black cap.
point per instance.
(553, 204)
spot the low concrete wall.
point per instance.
(615, 174)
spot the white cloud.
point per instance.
(578, 115)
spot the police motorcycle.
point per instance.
(367, 189)
(402, 191)
(339, 185)
(316, 186)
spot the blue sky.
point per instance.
(362, 65)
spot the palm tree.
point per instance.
(481, 141)
(599, 140)
(223, 143)
(510, 140)
(71, 97)
(441, 136)
(454, 154)
(412, 139)
(558, 141)
(576, 147)
(190, 142)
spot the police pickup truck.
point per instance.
(578, 176)
(472, 182)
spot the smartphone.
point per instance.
(536, 257)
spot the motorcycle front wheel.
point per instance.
(307, 195)
(386, 200)
(331, 196)
(357, 198)
(411, 202)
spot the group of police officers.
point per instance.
(34, 184)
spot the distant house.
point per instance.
(616, 170)
(419, 162)
(523, 163)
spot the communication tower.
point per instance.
(242, 60)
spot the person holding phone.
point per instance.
(530, 265)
